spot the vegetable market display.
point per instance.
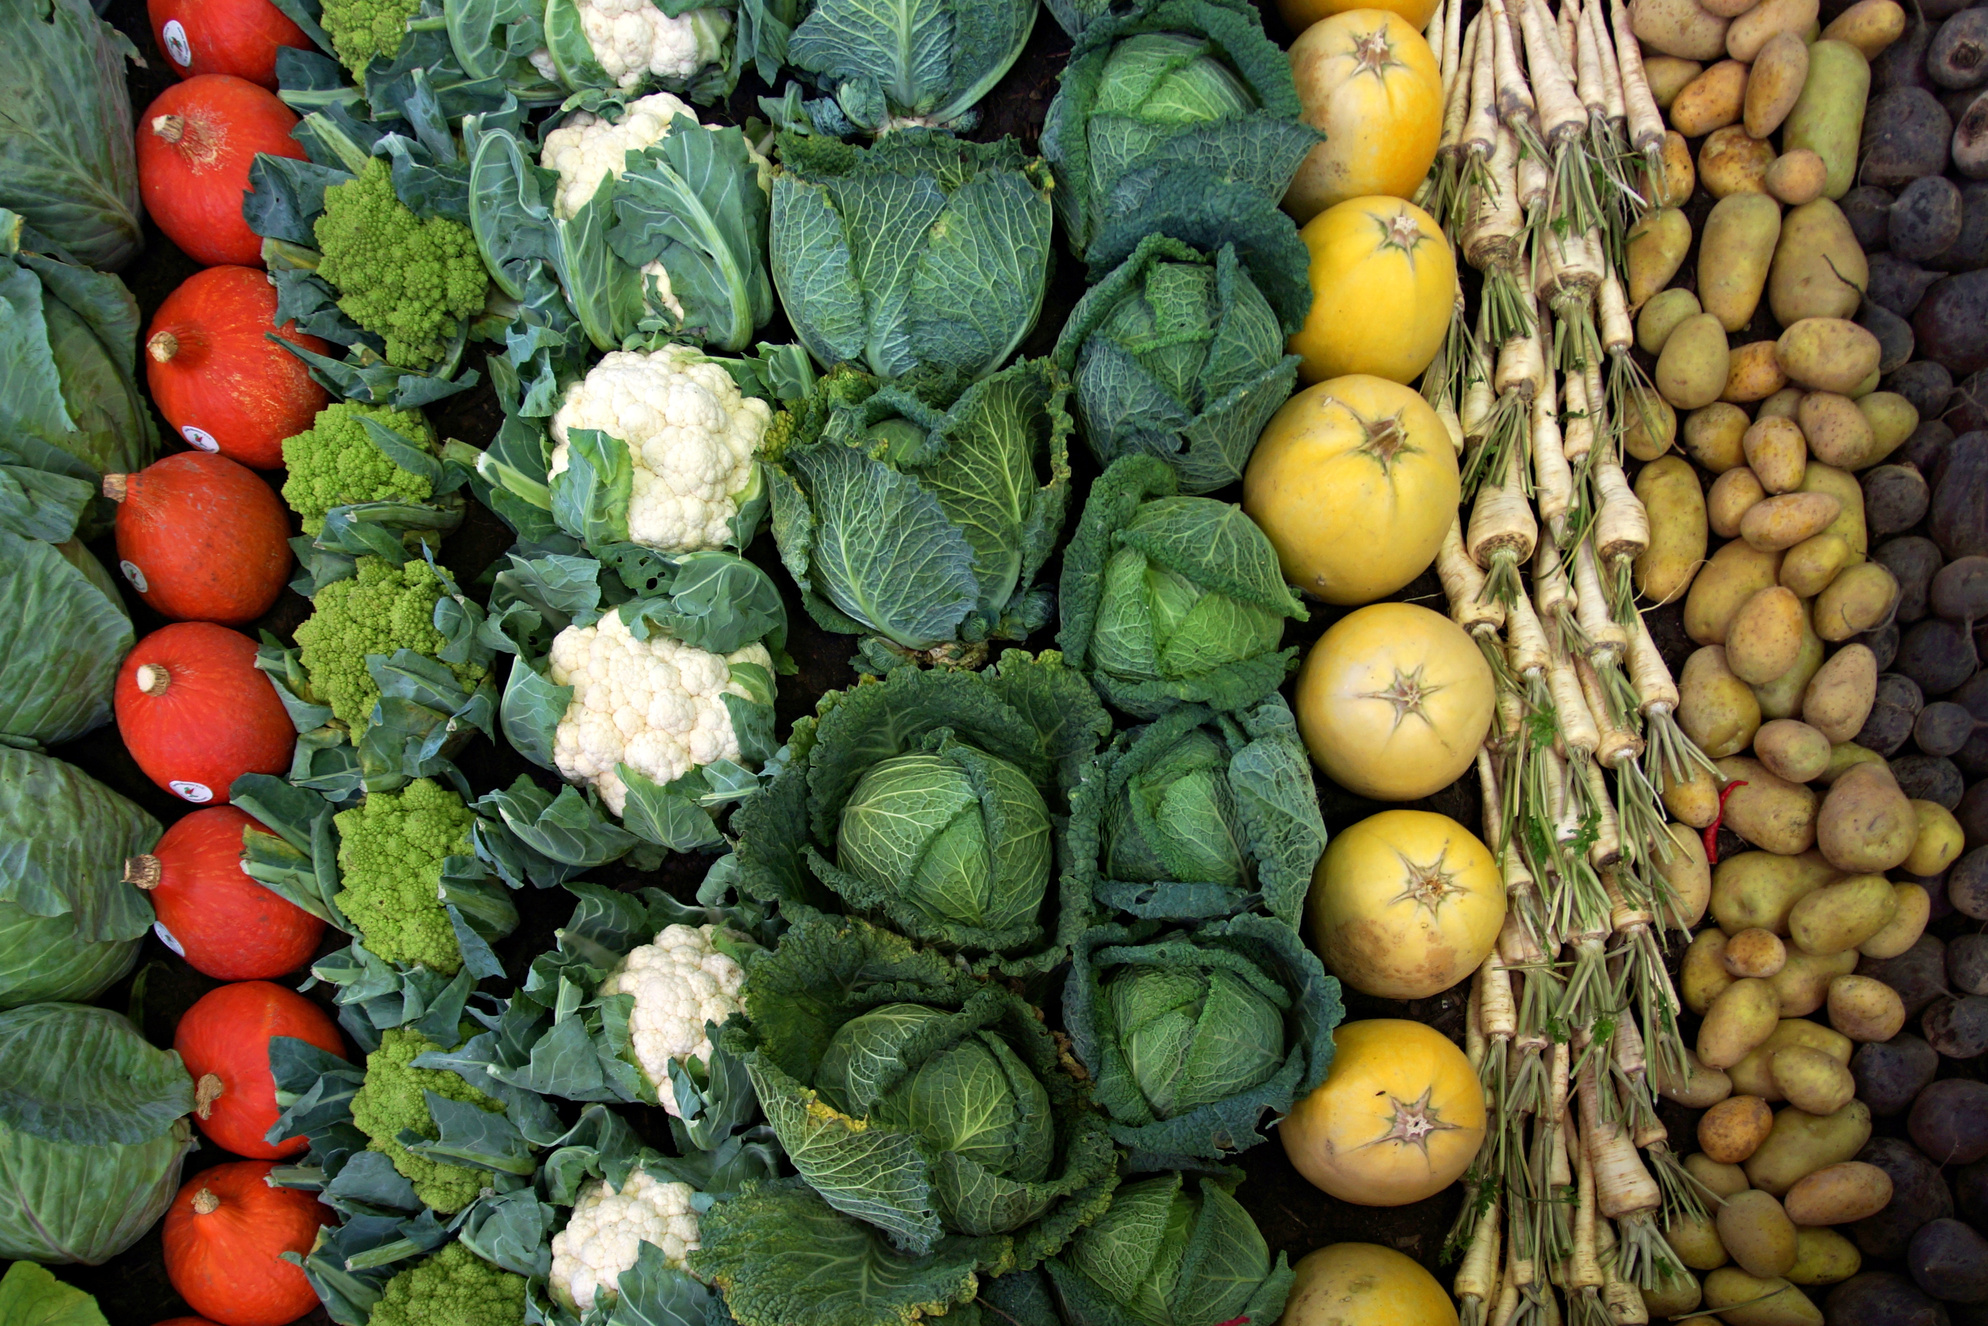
(793, 663)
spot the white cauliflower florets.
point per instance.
(680, 982)
(634, 40)
(652, 704)
(694, 436)
(586, 149)
(607, 1230)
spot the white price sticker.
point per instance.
(199, 437)
(166, 938)
(177, 46)
(192, 791)
(134, 575)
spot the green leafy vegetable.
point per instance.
(378, 612)
(921, 64)
(401, 1098)
(454, 1287)
(62, 638)
(66, 159)
(1201, 814)
(31, 1296)
(1169, 599)
(63, 841)
(922, 250)
(391, 851)
(1179, 355)
(362, 31)
(336, 461)
(922, 510)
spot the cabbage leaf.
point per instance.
(925, 63)
(63, 841)
(62, 639)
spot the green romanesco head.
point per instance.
(335, 462)
(390, 854)
(455, 1287)
(379, 609)
(362, 29)
(407, 280)
(391, 1102)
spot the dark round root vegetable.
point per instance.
(1958, 518)
(1926, 384)
(1929, 778)
(1957, 1026)
(1895, 496)
(1936, 654)
(1919, 974)
(1929, 440)
(1951, 322)
(1958, 54)
(1949, 1259)
(1949, 1121)
(1890, 1075)
(1878, 1298)
(1882, 642)
(1918, 1194)
(1897, 706)
(1967, 881)
(1903, 63)
(1925, 221)
(1972, 759)
(1898, 285)
(1913, 562)
(1868, 210)
(1895, 340)
(1906, 132)
(1971, 249)
(1970, 1192)
(1942, 728)
(1967, 963)
(1972, 812)
(1970, 134)
(1960, 590)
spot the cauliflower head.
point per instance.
(693, 435)
(655, 705)
(634, 40)
(410, 281)
(362, 29)
(586, 149)
(390, 853)
(455, 1287)
(391, 1101)
(680, 982)
(378, 609)
(335, 463)
(607, 1230)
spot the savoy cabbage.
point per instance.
(926, 63)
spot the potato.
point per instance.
(1802, 984)
(1751, 31)
(1691, 371)
(1828, 116)
(1715, 709)
(1865, 1008)
(1907, 923)
(1755, 952)
(1803, 1143)
(1820, 270)
(1755, 1230)
(1782, 697)
(1695, 1240)
(1713, 436)
(1735, 573)
(1651, 426)
(1674, 1297)
(1823, 354)
(1860, 598)
(1668, 76)
(1693, 799)
(1731, 496)
(1841, 915)
(1771, 813)
(1680, 28)
(1657, 245)
(1792, 750)
(1838, 433)
(1809, 566)
(1823, 1256)
(1686, 872)
(1837, 1194)
(1796, 178)
(1741, 1017)
(1717, 1179)
(1730, 1131)
(1893, 419)
(1660, 317)
(1730, 162)
(1710, 101)
(1865, 824)
(1734, 255)
(1680, 176)
(1845, 756)
(1869, 25)
(1772, 87)
(1668, 489)
(1765, 637)
(1840, 695)
(1701, 975)
(1775, 449)
(1821, 478)
(1811, 1080)
(1701, 1088)
(1936, 841)
(1761, 888)
(1781, 405)
(1756, 1071)
(1744, 1300)
(1778, 523)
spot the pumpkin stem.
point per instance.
(205, 1092)
(153, 678)
(1404, 232)
(145, 872)
(116, 486)
(1386, 439)
(172, 128)
(1411, 1124)
(1373, 50)
(205, 1202)
(1408, 693)
(162, 347)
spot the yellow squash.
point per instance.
(1370, 83)
(1364, 1284)
(1355, 482)
(1394, 701)
(1398, 1118)
(1383, 284)
(1301, 14)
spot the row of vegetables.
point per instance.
(856, 1001)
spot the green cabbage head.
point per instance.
(956, 833)
(41, 958)
(1192, 1036)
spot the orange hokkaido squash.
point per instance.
(1369, 81)
(1383, 284)
(1399, 1116)
(1355, 481)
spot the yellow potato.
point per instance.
(1865, 1008)
(1840, 916)
(1668, 76)
(1693, 799)
(1819, 268)
(1809, 566)
(1680, 28)
(1731, 161)
(1803, 1143)
(1796, 178)
(1710, 101)
(1892, 419)
(1837, 1194)
(1824, 354)
(1692, 370)
(1811, 1080)
(1868, 25)
(1839, 433)
(1828, 117)
(1757, 1232)
(1730, 1131)
(1733, 575)
(1775, 450)
(1702, 1087)
(1753, 374)
(1701, 975)
(1821, 478)
(1781, 405)
(1823, 1256)
(1660, 317)
(1657, 245)
(1744, 1300)
(1840, 695)
(1755, 952)
(1695, 1240)
(1859, 598)
(1780, 522)
(1671, 1298)
(1668, 489)
(1803, 983)
(1782, 697)
(1731, 496)
(1715, 709)
(1761, 888)
(1866, 825)
(1907, 923)
(1680, 176)
(1765, 638)
(1937, 840)
(1772, 813)
(1713, 436)
(1845, 756)
(1751, 31)
(1719, 1180)
(1734, 256)
(1792, 750)
(1755, 1074)
(1741, 1017)
(1651, 425)
(1772, 87)
(1687, 874)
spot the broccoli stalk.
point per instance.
(379, 609)
(335, 462)
(390, 854)
(453, 1288)
(393, 1101)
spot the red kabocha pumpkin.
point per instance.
(187, 1321)
(196, 713)
(216, 375)
(201, 538)
(239, 37)
(196, 142)
(225, 1236)
(224, 1039)
(211, 912)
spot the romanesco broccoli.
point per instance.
(455, 1287)
(362, 29)
(379, 609)
(335, 463)
(390, 852)
(391, 1101)
(410, 281)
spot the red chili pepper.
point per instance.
(1712, 829)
